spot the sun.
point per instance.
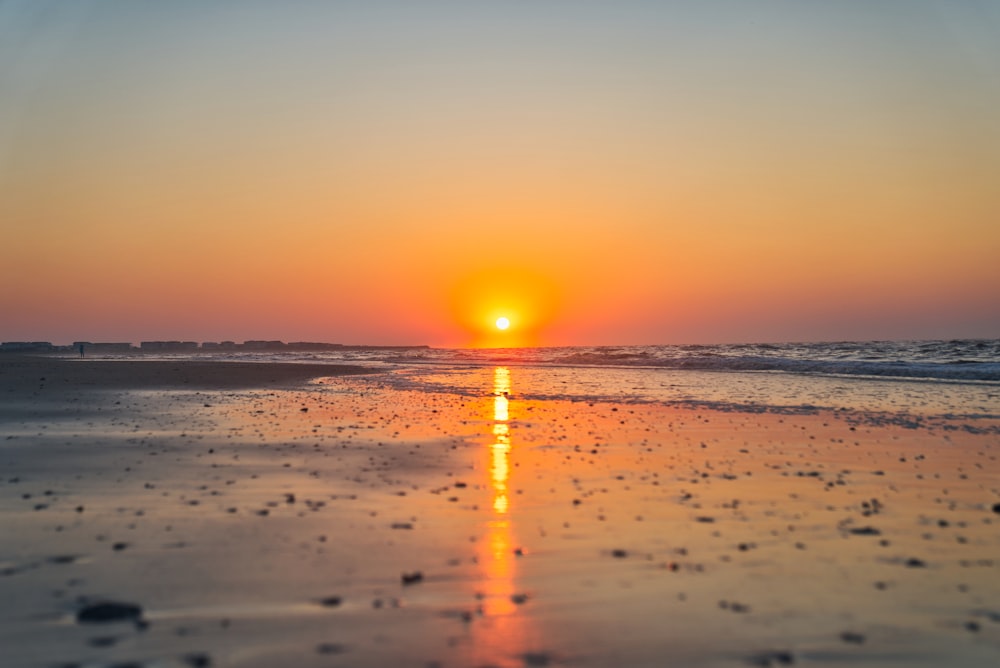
(503, 323)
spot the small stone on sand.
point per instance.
(108, 611)
(412, 578)
(198, 660)
(330, 648)
(537, 659)
(771, 658)
(853, 637)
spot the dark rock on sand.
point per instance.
(198, 660)
(412, 578)
(537, 659)
(63, 559)
(330, 648)
(771, 658)
(996, 508)
(913, 562)
(865, 531)
(853, 637)
(109, 611)
(331, 601)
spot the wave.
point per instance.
(974, 361)
(966, 371)
(971, 360)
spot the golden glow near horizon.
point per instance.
(485, 298)
(630, 172)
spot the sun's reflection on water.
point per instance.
(504, 632)
(497, 553)
(500, 467)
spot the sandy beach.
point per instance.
(198, 513)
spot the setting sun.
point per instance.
(503, 323)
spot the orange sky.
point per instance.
(647, 173)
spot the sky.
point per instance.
(601, 173)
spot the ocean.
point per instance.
(897, 381)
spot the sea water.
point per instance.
(907, 380)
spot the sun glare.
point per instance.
(503, 306)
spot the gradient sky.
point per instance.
(405, 172)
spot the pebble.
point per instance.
(412, 578)
(853, 637)
(537, 659)
(63, 559)
(198, 660)
(772, 658)
(330, 648)
(108, 611)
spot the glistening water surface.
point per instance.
(923, 379)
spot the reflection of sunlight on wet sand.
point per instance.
(497, 550)
(500, 467)
(500, 449)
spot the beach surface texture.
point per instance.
(209, 512)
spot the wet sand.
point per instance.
(219, 514)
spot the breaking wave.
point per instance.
(962, 360)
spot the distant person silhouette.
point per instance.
(81, 350)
